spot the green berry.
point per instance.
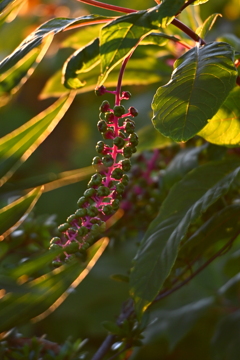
(107, 160)
(127, 152)
(115, 204)
(107, 209)
(103, 191)
(81, 212)
(95, 180)
(133, 138)
(100, 147)
(63, 227)
(105, 106)
(120, 188)
(125, 180)
(81, 201)
(96, 161)
(100, 91)
(72, 248)
(71, 218)
(119, 142)
(129, 126)
(117, 173)
(82, 231)
(92, 211)
(95, 228)
(56, 263)
(102, 126)
(126, 165)
(119, 110)
(54, 247)
(55, 240)
(89, 193)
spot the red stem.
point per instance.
(108, 6)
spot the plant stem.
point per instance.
(104, 348)
(188, 31)
(108, 6)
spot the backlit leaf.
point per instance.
(17, 146)
(201, 81)
(9, 7)
(207, 25)
(12, 215)
(186, 201)
(224, 127)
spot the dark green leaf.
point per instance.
(8, 7)
(224, 127)
(187, 200)
(223, 226)
(207, 25)
(38, 296)
(201, 81)
(232, 40)
(120, 37)
(83, 60)
(16, 147)
(225, 342)
(12, 215)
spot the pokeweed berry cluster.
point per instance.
(107, 185)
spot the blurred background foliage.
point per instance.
(72, 146)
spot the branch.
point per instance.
(108, 6)
(188, 31)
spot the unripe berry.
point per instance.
(55, 240)
(133, 138)
(109, 116)
(126, 95)
(71, 218)
(100, 147)
(129, 126)
(125, 180)
(63, 227)
(56, 263)
(133, 111)
(92, 211)
(107, 209)
(109, 134)
(103, 191)
(126, 165)
(120, 188)
(127, 151)
(89, 193)
(117, 173)
(83, 231)
(100, 91)
(81, 212)
(107, 160)
(95, 180)
(102, 126)
(72, 248)
(119, 110)
(119, 142)
(54, 247)
(115, 204)
(105, 106)
(81, 201)
(96, 161)
(95, 228)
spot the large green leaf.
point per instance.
(24, 302)
(121, 36)
(224, 127)
(187, 200)
(201, 81)
(16, 147)
(21, 63)
(12, 215)
(139, 72)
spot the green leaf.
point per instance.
(198, 2)
(12, 79)
(150, 139)
(121, 36)
(16, 147)
(225, 342)
(166, 323)
(12, 215)
(207, 25)
(83, 60)
(201, 81)
(232, 40)
(82, 37)
(223, 226)
(39, 296)
(9, 7)
(187, 200)
(224, 127)
(14, 68)
(139, 72)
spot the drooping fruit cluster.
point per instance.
(107, 185)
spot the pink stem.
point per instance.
(108, 6)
